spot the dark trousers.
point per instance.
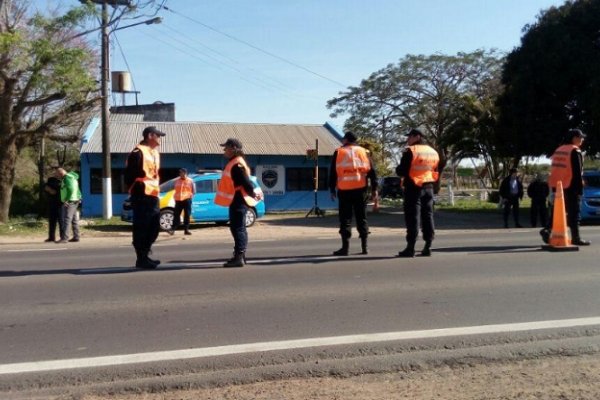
(54, 220)
(418, 207)
(237, 225)
(186, 207)
(511, 202)
(146, 222)
(573, 210)
(353, 202)
(539, 209)
(70, 218)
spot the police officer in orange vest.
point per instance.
(236, 191)
(185, 189)
(350, 168)
(141, 175)
(418, 169)
(567, 167)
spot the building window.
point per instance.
(302, 179)
(118, 179)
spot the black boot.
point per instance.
(426, 252)
(238, 260)
(143, 262)
(408, 252)
(363, 245)
(344, 250)
(152, 260)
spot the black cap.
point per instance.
(575, 133)
(152, 129)
(351, 137)
(232, 142)
(415, 132)
(183, 170)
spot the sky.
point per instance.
(280, 61)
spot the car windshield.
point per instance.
(592, 180)
(168, 185)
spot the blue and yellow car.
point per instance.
(590, 201)
(204, 208)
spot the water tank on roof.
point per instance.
(121, 81)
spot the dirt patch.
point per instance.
(545, 378)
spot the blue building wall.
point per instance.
(290, 200)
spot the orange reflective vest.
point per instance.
(226, 189)
(150, 165)
(561, 168)
(352, 165)
(423, 168)
(184, 189)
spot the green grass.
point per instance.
(20, 226)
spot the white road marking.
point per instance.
(172, 355)
(32, 250)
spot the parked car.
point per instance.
(590, 202)
(204, 208)
(390, 186)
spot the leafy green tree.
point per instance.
(552, 81)
(419, 91)
(47, 83)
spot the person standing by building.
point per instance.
(419, 172)
(142, 178)
(236, 191)
(567, 167)
(350, 169)
(538, 191)
(52, 189)
(185, 189)
(70, 197)
(511, 191)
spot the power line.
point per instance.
(204, 61)
(226, 57)
(232, 67)
(255, 47)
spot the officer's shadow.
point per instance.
(501, 249)
(303, 259)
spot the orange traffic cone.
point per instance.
(560, 237)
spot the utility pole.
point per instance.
(106, 164)
(105, 109)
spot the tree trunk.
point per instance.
(8, 159)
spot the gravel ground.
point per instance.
(565, 378)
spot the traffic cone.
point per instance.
(560, 237)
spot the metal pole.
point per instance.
(106, 171)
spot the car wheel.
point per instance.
(250, 217)
(166, 219)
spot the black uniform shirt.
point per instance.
(240, 178)
(133, 170)
(577, 168)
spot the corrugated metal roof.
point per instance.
(126, 117)
(205, 137)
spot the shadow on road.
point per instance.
(488, 249)
(175, 265)
(394, 218)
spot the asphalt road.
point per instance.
(81, 302)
